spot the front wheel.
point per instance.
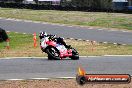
(49, 57)
(75, 54)
(53, 53)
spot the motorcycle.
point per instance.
(57, 51)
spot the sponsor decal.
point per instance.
(83, 78)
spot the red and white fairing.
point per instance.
(64, 52)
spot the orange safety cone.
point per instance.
(35, 40)
(8, 44)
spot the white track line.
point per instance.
(87, 40)
(125, 31)
(22, 58)
(14, 79)
(115, 43)
(79, 56)
(66, 77)
(118, 55)
(39, 78)
(105, 42)
(42, 78)
(100, 29)
(79, 39)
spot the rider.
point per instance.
(59, 40)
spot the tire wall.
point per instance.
(3, 35)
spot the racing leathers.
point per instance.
(58, 40)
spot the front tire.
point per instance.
(75, 54)
(53, 53)
(49, 57)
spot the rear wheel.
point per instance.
(53, 53)
(75, 54)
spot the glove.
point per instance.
(51, 37)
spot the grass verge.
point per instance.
(21, 45)
(100, 19)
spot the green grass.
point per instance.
(22, 45)
(18, 40)
(99, 19)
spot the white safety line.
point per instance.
(125, 31)
(112, 30)
(115, 43)
(39, 78)
(100, 29)
(42, 78)
(66, 77)
(118, 55)
(14, 79)
(24, 33)
(105, 42)
(79, 56)
(79, 39)
(87, 40)
(22, 57)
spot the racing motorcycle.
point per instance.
(57, 51)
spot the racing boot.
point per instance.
(68, 46)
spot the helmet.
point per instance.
(42, 34)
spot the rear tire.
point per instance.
(51, 53)
(75, 54)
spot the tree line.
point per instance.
(79, 4)
(95, 4)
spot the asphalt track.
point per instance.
(99, 35)
(40, 68)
